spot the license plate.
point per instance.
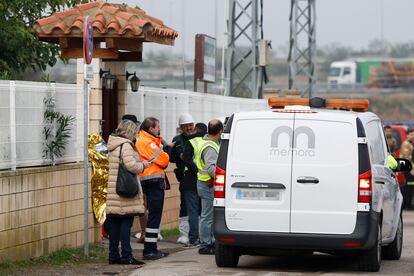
(249, 194)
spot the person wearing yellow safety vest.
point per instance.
(407, 151)
(205, 157)
(392, 162)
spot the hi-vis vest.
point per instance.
(199, 145)
(149, 149)
(194, 143)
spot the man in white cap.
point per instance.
(186, 124)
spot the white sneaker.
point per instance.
(183, 240)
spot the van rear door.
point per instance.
(324, 173)
(258, 173)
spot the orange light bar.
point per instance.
(276, 102)
(357, 105)
(348, 104)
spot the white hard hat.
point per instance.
(185, 119)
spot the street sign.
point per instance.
(205, 60)
(87, 40)
(88, 72)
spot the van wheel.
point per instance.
(226, 256)
(370, 260)
(393, 251)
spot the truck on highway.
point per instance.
(372, 73)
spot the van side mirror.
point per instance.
(404, 165)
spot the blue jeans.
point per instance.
(206, 219)
(119, 229)
(192, 202)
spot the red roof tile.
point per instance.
(108, 20)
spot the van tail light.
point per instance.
(352, 244)
(365, 187)
(226, 239)
(219, 183)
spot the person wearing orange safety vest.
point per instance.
(154, 182)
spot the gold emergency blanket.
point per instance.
(99, 181)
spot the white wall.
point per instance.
(21, 121)
(168, 104)
(22, 108)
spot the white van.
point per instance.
(302, 178)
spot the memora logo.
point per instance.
(276, 150)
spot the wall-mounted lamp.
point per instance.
(134, 81)
(108, 78)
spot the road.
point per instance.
(189, 262)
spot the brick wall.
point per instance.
(41, 210)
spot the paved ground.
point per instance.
(164, 244)
(189, 262)
(97, 268)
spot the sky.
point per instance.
(347, 22)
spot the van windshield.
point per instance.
(335, 72)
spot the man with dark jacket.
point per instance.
(186, 124)
(189, 186)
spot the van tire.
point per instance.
(226, 256)
(393, 251)
(370, 260)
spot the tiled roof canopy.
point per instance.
(120, 26)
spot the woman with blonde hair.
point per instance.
(121, 210)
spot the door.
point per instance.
(385, 182)
(325, 174)
(385, 185)
(109, 111)
(258, 173)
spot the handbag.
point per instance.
(126, 183)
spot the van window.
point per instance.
(376, 143)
